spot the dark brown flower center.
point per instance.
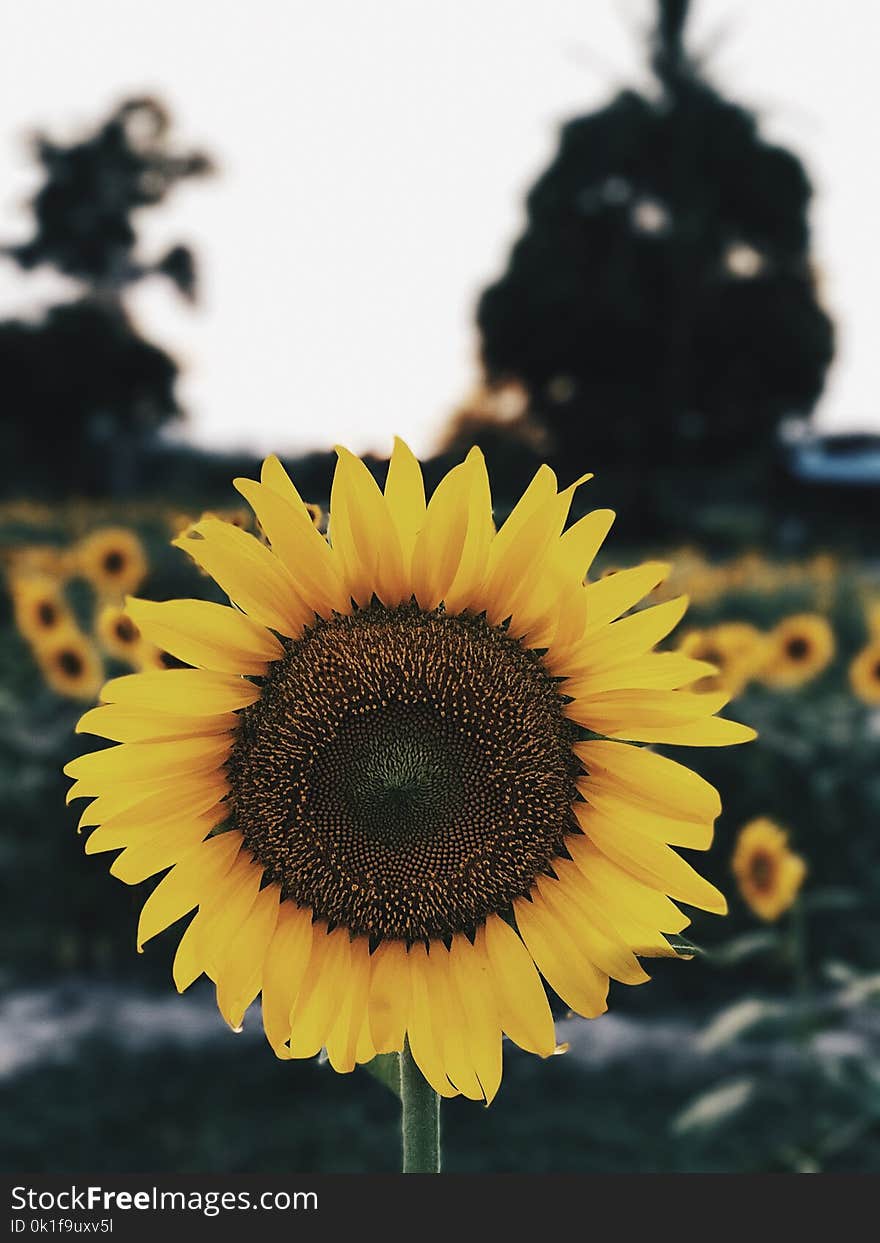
(797, 648)
(405, 774)
(126, 631)
(70, 662)
(47, 613)
(113, 562)
(762, 870)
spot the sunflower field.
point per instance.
(754, 1047)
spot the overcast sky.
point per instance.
(374, 156)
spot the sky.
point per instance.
(373, 162)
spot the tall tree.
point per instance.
(661, 300)
(82, 388)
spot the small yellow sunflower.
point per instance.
(70, 664)
(39, 607)
(736, 649)
(769, 875)
(113, 560)
(864, 673)
(118, 634)
(401, 779)
(798, 649)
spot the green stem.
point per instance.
(420, 1119)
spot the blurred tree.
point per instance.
(82, 389)
(660, 304)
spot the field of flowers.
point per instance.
(758, 1052)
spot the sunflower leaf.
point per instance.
(386, 1068)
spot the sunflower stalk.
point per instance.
(419, 1118)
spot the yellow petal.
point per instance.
(463, 590)
(209, 636)
(658, 671)
(191, 692)
(441, 543)
(674, 832)
(389, 996)
(250, 574)
(559, 958)
(654, 780)
(240, 973)
(186, 884)
(148, 761)
(363, 534)
(153, 852)
(628, 713)
(181, 801)
(649, 861)
(287, 958)
(472, 986)
(425, 1042)
(621, 641)
(344, 1034)
(122, 724)
(579, 545)
(324, 982)
(523, 1009)
(610, 597)
(300, 546)
(714, 731)
(405, 497)
(221, 916)
(640, 914)
(593, 934)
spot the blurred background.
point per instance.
(634, 238)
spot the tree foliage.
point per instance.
(661, 298)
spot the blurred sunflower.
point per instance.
(151, 657)
(113, 560)
(70, 664)
(864, 673)
(769, 875)
(118, 634)
(399, 781)
(39, 607)
(736, 650)
(40, 560)
(798, 649)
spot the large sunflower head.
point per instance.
(113, 560)
(864, 673)
(798, 650)
(402, 775)
(70, 664)
(769, 875)
(118, 634)
(39, 607)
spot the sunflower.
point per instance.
(864, 673)
(736, 650)
(768, 873)
(40, 560)
(117, 634)
(798, 649)
(399, 781)
(70, 664)
(39, 607)
(113, 560)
